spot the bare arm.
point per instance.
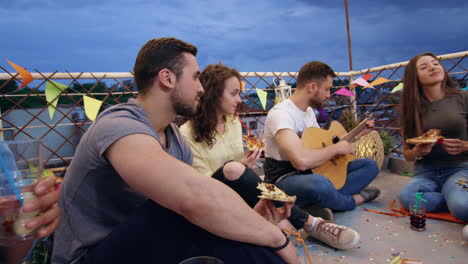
(148, 169)
(303, 158)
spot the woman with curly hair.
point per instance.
(215, 137)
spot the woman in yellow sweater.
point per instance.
(215, 137)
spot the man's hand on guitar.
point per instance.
(344, 147)
(370, 124)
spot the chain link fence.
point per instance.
(24, 112)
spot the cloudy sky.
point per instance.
(255, 35)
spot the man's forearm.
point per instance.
(313, 158)
(204, 201)
(221, 211)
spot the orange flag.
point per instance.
(379, 80)
(27, 77)
(242, 84)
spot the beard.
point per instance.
(182, 108)
(315, 104)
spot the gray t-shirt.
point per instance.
(450, 114)
(94, 197)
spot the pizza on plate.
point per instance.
(430, 136)
(271, 192)
(253, 143)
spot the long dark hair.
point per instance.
(213, 79)
(411, 112)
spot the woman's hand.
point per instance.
(250, 158)
(46, 201)
(453, 146)
(421, 150)
(270, 212)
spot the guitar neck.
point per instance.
(351, 136)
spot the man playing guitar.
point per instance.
(290, 164)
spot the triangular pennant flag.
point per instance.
(242, 84)
(465, 89)
(262, 95)
(361, 81)
(91, 107)
(379, 80)
(365, 77)
(397, 88)
(27, 77)
(52, 91)
(344, 91)
(45, 173)
(323, 114)
(277, 100)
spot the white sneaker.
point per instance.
(337, 236)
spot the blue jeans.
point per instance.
(441, 188)
(318, 190)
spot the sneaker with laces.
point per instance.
(337, 236)
(314, 210)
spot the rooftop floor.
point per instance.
(384, 236)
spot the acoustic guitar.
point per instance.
(317, 138)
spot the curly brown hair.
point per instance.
(213, 79)
(411, 109)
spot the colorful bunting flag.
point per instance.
(397, 88)
(344, 91)
(365, 77)
(361, 82)
(379, 80)
(323, 114)
(242, 84)
(27, 77)
(52, 92)
(262, 95)
(91, 107)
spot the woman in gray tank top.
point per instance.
(431, 99)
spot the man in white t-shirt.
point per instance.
(290, 165)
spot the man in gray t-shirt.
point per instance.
(131, 196)
(95, 198)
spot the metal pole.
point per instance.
(350, 55)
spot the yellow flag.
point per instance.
(262, 95)
(52, 92)
(379, 80)
(397, 88)
(91, 107)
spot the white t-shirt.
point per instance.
(286, 115)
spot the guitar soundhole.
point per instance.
(335, 139)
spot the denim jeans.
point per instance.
(318, 190)
(440, 186)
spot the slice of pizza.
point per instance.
(271, 192)
(428, 137)
(253, 143)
